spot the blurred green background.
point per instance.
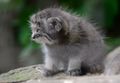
(16, 47)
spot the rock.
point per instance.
(112, 62)
(84, 79)
(20, 74)
(30, 74)
(26, 73)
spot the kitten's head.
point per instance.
(45, 28)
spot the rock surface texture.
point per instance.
(31, 74)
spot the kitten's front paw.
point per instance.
(76, 72)
(47, 72)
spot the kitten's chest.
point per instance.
(63, 51)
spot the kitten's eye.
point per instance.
(37, 30)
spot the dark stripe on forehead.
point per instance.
(44, 14)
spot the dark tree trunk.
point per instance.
(8, 48)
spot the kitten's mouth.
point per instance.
(44, 38)
(37, 36)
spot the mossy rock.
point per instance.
(26, 73)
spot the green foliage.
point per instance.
(111, 9)
(24, 28)
(113, 42)
(22, 25)
(75, 5)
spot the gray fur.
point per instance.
(71, 43)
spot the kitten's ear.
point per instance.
(56, 22)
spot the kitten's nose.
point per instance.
(36, 36)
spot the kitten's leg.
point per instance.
(74, 67)
(51, 66)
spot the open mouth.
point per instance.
(36, 36)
